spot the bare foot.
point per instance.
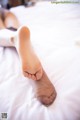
(45, 90)
(32, 67)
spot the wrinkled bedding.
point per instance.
(55, 29)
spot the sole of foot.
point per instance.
(31, 65)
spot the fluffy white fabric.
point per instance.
(54, 29)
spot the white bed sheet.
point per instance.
(54, 31)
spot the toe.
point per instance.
(30, 76)
(39, 74)
(26, 74)
(33, 77)
(46, 100)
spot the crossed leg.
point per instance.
(31, 65)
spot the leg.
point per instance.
(30, 63)
(1, 24)
(7, 20)
(10, 20)
(32, 67)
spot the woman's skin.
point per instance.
(31, 65)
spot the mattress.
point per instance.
(55, 30)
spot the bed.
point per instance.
(55, 30)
